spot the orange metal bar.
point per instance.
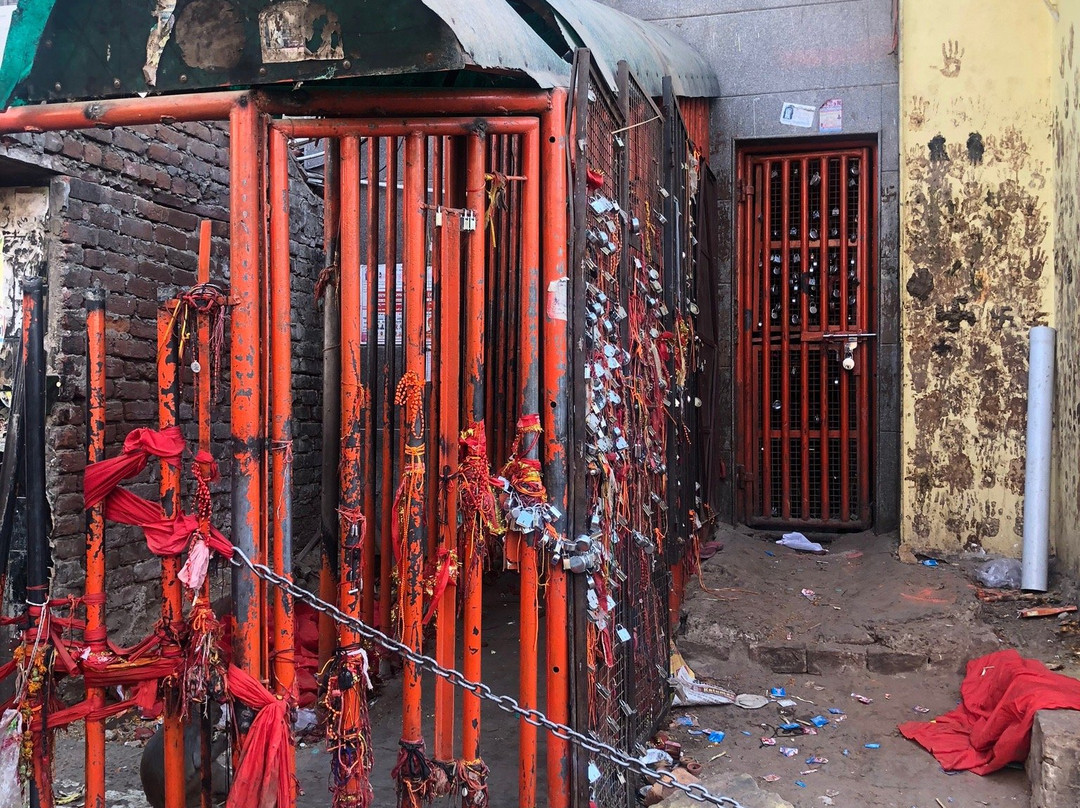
(331, 428)
(381, 127)
(172, 595)
(245, 390)
(407, 102)
(474, 401)
(554, 378)
(449, 359)
(529, 375)
(415, 278)
(284, 663)
(389, 380)
(350, 576)
(202, 411)
(94, 592)
(371, 276)
(165, 109)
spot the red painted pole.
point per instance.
(529, 374)
(350, 573)
(555, 375)
(246, 231)
(370, 443)
(331, 103)
(172, 596)
(413, 551)
(475, 201)
(94, 592)
(284, 662)
(381, 127)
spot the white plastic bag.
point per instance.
(797, 541)
(10, 740)
(1001, 573)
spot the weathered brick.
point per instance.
(1053, 762)
(780, 658)
(828, 658)
(882, 660)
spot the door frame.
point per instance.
(743, 381)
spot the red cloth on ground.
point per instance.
(264, 778)
(103, 477)
(992, 726)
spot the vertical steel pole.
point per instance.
(172, 596)
(94, 591)
(529, 377)
(415, 311)
(370, 443)
(246, 229)
(331, 425)
(350, 574)
(38, 553)
(474, 401)
(281, 411)
(389, 444)
(555, 379)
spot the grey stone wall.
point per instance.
(125, 207)
(767, 53)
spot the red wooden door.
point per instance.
(806, 260)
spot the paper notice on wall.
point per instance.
(797, 115)
(831, 116)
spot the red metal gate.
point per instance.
(806, 306)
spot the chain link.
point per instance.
(506, 703)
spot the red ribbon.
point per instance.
(447, 571)
(265, 777)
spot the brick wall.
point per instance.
(124, 212)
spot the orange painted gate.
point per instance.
(806, 323)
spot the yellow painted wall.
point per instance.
(977, 212)
(1066, 127)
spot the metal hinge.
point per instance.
(746, 190)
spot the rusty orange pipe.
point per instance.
(415, 271)
(245, 391)
(331, 428)
(389, 372)
(370, 445)
(381, 127)
(529, 370)
(555, 374)
(350, 574)
(330, 103)
(475, 200)
(94, 592)
(165, 109)
(172, 596)
(449, 427)
(281, 412)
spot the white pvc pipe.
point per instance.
(1037, 466)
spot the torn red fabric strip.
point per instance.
(992, 726)
(265, 777)
(101, 478)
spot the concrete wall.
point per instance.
(766, 53)
(976, 181)
(124, 210)
(1065, 73)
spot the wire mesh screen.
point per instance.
(634, 515)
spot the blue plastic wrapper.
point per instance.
(715, 736)
(819, 721)
(777, 692)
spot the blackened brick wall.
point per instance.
(124, 212)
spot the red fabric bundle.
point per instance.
(992, 726)
(264, 778)
(103, 477)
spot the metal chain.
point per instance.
(535, 717)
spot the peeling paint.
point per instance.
(976, 219)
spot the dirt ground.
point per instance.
(896, 633)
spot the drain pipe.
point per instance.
(1037, 468)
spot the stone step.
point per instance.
(827, 658)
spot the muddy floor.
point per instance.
(854, 621)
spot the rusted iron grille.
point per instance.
(630, 509)
(807, 281)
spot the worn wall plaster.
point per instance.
(977, 191)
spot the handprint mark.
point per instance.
(952, 53)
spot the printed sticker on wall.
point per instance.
(831, 116)
(797, 115)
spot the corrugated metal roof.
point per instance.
(124, 47)
(651, 51)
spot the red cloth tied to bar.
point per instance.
(164, 535)
(264, 778)
(992, 726)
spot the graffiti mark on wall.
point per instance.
(974, 242)
(951, 54)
